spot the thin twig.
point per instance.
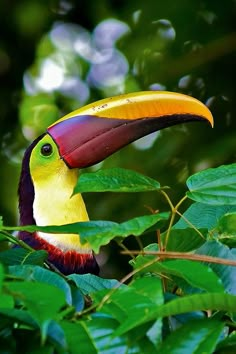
(183, 255)
(190, 224)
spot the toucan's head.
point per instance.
(81, 139)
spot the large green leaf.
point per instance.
(185, 240)
(43, 301)
(203, 215)
(36, 273)
(227, 230)
(212, 301)
(99, 233)
(1, 276)
(129, 304)
(228, 345)
(56, 334)
(194, 337)
(78, 339)
(6, 301)
(115, 180)
(215, 186)
(23, 256)
(226, 273)
(227, 224)
(89, 283)
(196, 274)
(19, 316)
(94, 336)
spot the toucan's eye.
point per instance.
(46, 150)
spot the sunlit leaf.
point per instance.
(99, 233)
(115, 180)
(194, 337)
(215, 186)
(212, 301)
(196, 302)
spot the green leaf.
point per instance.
(101, 329)
(155, 332)
(227, 224)
(43, 301)
(203, 215)
(78, 339)
(3, 237)
(56, 333)
(89, 283)
(99, 233)
(94, 336)
(19, 316)
(22, 256)
(1, 276)
(129, 304)
(215, 186)
(115, 180)
(194, 337)
(226, 273)
(197, 302)
(212, 301)
(6, 301)
(196, 274)
(227, 345)
(150, 287)
(36, 273)
(185, 240)
(78, 300)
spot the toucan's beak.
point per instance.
(94, 132)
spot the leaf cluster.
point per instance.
(180, 296)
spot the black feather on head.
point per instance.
(26, 188)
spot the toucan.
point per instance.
(81, 139)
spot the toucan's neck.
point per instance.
(54, 205)
(49, 201)
(66, 262)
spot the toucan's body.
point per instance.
(81, 139)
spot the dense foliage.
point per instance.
(180, 296)
(176, 295)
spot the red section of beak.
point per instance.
(85, 140)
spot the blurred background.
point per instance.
(56, 56)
